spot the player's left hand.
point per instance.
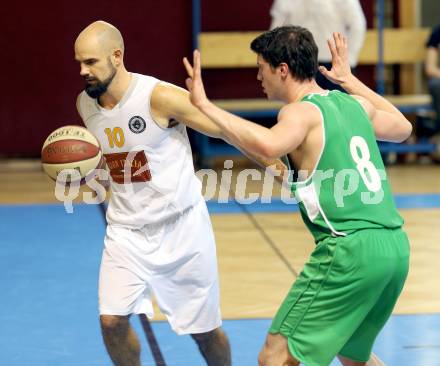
(340, 71)
(194, 83)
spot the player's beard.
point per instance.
(100, 87)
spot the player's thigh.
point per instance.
(391, 260)
(123, 280)
(187, 289)
(336, 290)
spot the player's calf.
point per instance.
(214, 347)
(120, 340)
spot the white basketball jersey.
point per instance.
(151, 168)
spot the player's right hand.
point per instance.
(194, 82)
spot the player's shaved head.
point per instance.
(101, 35)
(99, 49)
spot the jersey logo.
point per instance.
(137, 124)
(128, 167)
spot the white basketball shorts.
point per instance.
(175, 261)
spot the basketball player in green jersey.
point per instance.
(349, 286)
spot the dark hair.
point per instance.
(292, 45)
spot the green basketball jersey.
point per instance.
(348, 190)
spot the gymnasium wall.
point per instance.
(40, 79)
(243, 15)
(430, 13)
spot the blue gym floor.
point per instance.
(49, 264)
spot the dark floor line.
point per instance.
(152, 341)
(146, 326)
(265, 236)
(434, 346)
(103, 210)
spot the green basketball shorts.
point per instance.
(344, 296)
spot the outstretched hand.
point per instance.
(340, 71)
(194, 82)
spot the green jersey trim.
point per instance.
(310, 200)
(309, 178)
(306, 189)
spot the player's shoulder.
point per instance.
(143, 84)
(302, 112)
(86, 106)
(80, 106)
(366, 105)
(167, 93)
(145, 80)
(301, 106)
(82, 101)
(79, 97)
(165, 89)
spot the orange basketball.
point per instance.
(71, 147)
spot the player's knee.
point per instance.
(276, 352)
(208, 336)
(262, 358)
(112, 323)
(269, 354)
(269, 357)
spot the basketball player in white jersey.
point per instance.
(159, 239)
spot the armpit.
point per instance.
(173, 123)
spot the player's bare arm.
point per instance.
(388, 122)
(171, 103)
(294, 121)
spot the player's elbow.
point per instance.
(269, 151)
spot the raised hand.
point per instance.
(194, 82)
(340, 71)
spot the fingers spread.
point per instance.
(188, 67)
(332, 48)
(323, 70)
(196, 60)
(339, 42)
